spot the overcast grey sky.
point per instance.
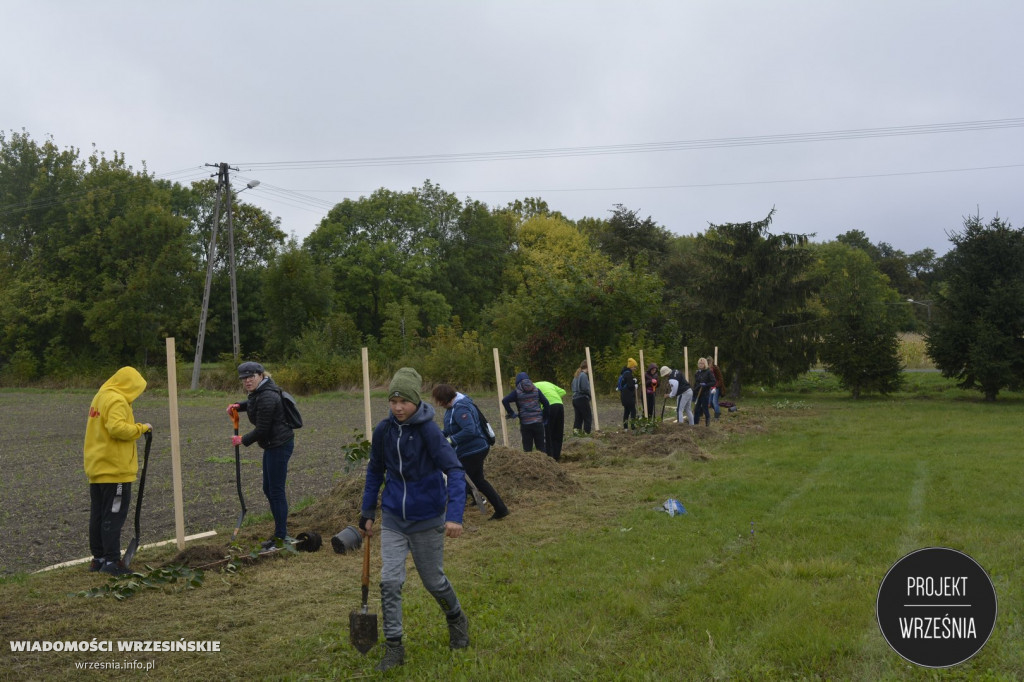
(259, 84)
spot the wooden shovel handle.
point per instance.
(366, 562)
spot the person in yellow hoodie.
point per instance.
(111, 463)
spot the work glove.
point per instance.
(233, 406)
(511, 415)
(363, 520)
(236, 440)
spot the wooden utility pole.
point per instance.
(223, 194)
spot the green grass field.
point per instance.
(771, 575)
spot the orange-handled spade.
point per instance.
(238, 476)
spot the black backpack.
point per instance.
(291, 411)
(485, 428)
(684, 385)
(624, 383)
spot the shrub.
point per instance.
(21, 369)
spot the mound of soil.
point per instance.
(512, 472)
(199, 555)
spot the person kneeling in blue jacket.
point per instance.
(419, 509)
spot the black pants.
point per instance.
(554, 430)
(109, 509)
(652, 400)
(474, 466)
(532, 433)
(583, 417)
(702, 409)
(628, 412)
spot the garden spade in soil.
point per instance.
(477, 497)
(238, 478)
(134, 544)
(362, 626)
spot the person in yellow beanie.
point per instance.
(111, 463)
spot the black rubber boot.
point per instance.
(394, 655)
(458, 632)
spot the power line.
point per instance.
(700, 185)
(679, 145)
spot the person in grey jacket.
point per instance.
(583, 416)
(533, 412)
(272, 433)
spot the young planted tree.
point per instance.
(859, 323)
(753, 294)
(977, 331)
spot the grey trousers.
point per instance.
(684, 406)
(427, 548)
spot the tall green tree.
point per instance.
(859, 322)
(564, 297)
(754, 292)
(977, 332)
(380, 250)
(911, 275)
(626, 238)
(108, 272)
(297, 293)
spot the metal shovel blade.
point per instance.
(362, 629)
(362, 626)
(129, 553)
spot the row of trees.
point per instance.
(102, 262)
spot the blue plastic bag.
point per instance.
(674, 506)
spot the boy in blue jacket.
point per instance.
(418, 509)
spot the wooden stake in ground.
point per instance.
(643, 383)
(366, 393)
(172, 399)
(501, 408)
(686, 363)
(593, 391)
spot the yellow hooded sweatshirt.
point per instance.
(111, 432)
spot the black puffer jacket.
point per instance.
(266, 414)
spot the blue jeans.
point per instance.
(427, 549)
(275, 473)
(714, 402)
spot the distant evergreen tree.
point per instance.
(977, 333)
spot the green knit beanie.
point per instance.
(406, 384)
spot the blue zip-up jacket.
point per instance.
(408, 460)
(462, 426)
